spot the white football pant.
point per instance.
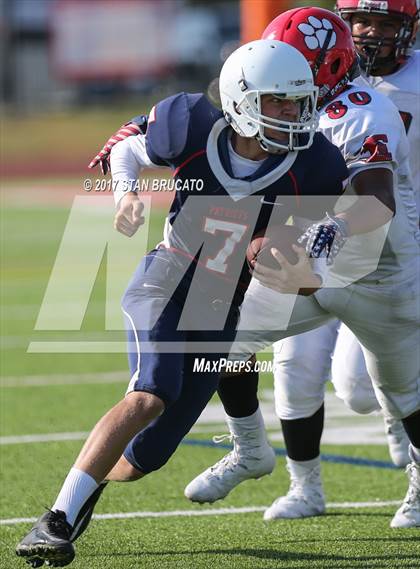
(302, 366)
(383, 317)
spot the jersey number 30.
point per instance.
(338, 109)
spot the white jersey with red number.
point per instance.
(303, 362)
(403, 88)
(367, 128)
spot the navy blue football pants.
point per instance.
(152, 313)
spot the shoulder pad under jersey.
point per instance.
(169, 125)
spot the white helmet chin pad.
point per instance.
(265, 67)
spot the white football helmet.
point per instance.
(269, 67)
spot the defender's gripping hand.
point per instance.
(138, 125)
(325, 239)
(128, 217)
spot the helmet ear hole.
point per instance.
(335, 65)
(235, 108)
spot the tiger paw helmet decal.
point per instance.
(315, 33)
(325, 40)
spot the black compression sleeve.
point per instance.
(303, 436)
(238, 394)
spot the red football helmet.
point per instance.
(405, 11)
(326, 42)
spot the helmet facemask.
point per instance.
(368, 47)
(300, 133)
(270, 67)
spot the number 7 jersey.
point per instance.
(208, 228)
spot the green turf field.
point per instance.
(78, 388)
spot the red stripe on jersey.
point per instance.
(195, 155)
(295, 186)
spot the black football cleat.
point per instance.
(48, 541)
(35, 562)
(84, 516)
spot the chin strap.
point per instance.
(271, 149)
(371, 62)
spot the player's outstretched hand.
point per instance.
(129, 214)
(288, 278)
(102, 158)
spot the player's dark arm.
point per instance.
(376, 187)
(375, 208)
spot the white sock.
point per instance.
(415, 453)
(249, 433)
(299, 468)
(77, 488)
(242, 424)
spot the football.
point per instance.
(281, 237)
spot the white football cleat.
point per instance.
(305, 497)
(398, 442)
(248, 459)
(408, 514)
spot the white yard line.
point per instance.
(44, 438)
(342, 426)
(66, 379)
(197, 513)
(73, 436)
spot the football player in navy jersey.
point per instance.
(183, 300)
